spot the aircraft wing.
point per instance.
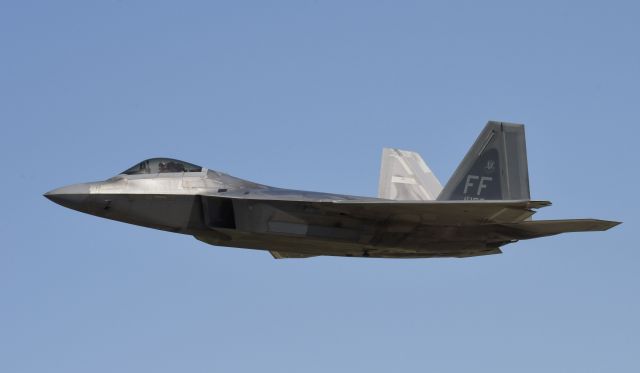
(420, 212)
(439, 212)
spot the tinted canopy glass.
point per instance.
(161, 166)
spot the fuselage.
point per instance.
(485, 204)
(227, 211)
(165, 200)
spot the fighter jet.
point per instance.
(484, 206)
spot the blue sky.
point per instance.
(304, 95)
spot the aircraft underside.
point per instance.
(299, 247)
(295, 230)
(356, 229)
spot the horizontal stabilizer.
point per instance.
(541, 228)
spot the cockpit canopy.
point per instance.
(161, 166)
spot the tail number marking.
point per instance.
(482, 184)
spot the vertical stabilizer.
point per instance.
(494, 168)
(405, 176)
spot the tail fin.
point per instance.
(494, 168)
(405, 176)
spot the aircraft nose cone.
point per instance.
(71, 196)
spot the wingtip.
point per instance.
(613, 223)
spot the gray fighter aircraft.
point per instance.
(485, 205)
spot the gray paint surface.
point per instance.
(485, 205)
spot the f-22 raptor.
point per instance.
(484, 206)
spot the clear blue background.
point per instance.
(304, 94)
